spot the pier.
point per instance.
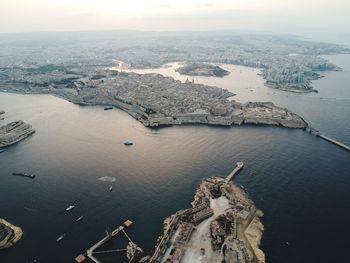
(109, 235)
(235, 171)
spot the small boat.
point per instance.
(79, 219)
(59, 238)
(70, 207)
(108, 108)
(32, 176)
(128, 142)
(110, 188)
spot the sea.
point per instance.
(299, 181)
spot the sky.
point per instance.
(289, 16)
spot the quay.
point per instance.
(239, 166)
(89, 252)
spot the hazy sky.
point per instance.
(269, 15)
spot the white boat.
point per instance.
(70, 207)
(128, 142)
(79, 219)
(59, 238)
(110, 188)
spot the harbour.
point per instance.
(74, 146)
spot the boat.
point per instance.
(70, 207)
(128, 142)
(108, 108)
(1, 151)
(32, 176)
(79, 219)
(59, 238)
(110, 188)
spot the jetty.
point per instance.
(109, 235)
(238, 168)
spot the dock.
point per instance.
(109, 235)
(238, 168)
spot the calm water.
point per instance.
(300, 182)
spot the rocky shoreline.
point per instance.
(222, 225)
(156, 101)
(9, 234)
(14, 132)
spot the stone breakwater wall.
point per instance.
(256, 113)
(9, 234)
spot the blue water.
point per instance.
(300, 182)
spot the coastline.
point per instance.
(256, 113)
(11, 234)
(197, 234)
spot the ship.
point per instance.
(32, 176)
(70, 207)
(79, 219)
(110, 188)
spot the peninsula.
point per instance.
(155, 100)
(223, 225)
(9, 234)
(202, 69)
(14, 132)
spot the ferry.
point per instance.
(32, 176)
(70, 207)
